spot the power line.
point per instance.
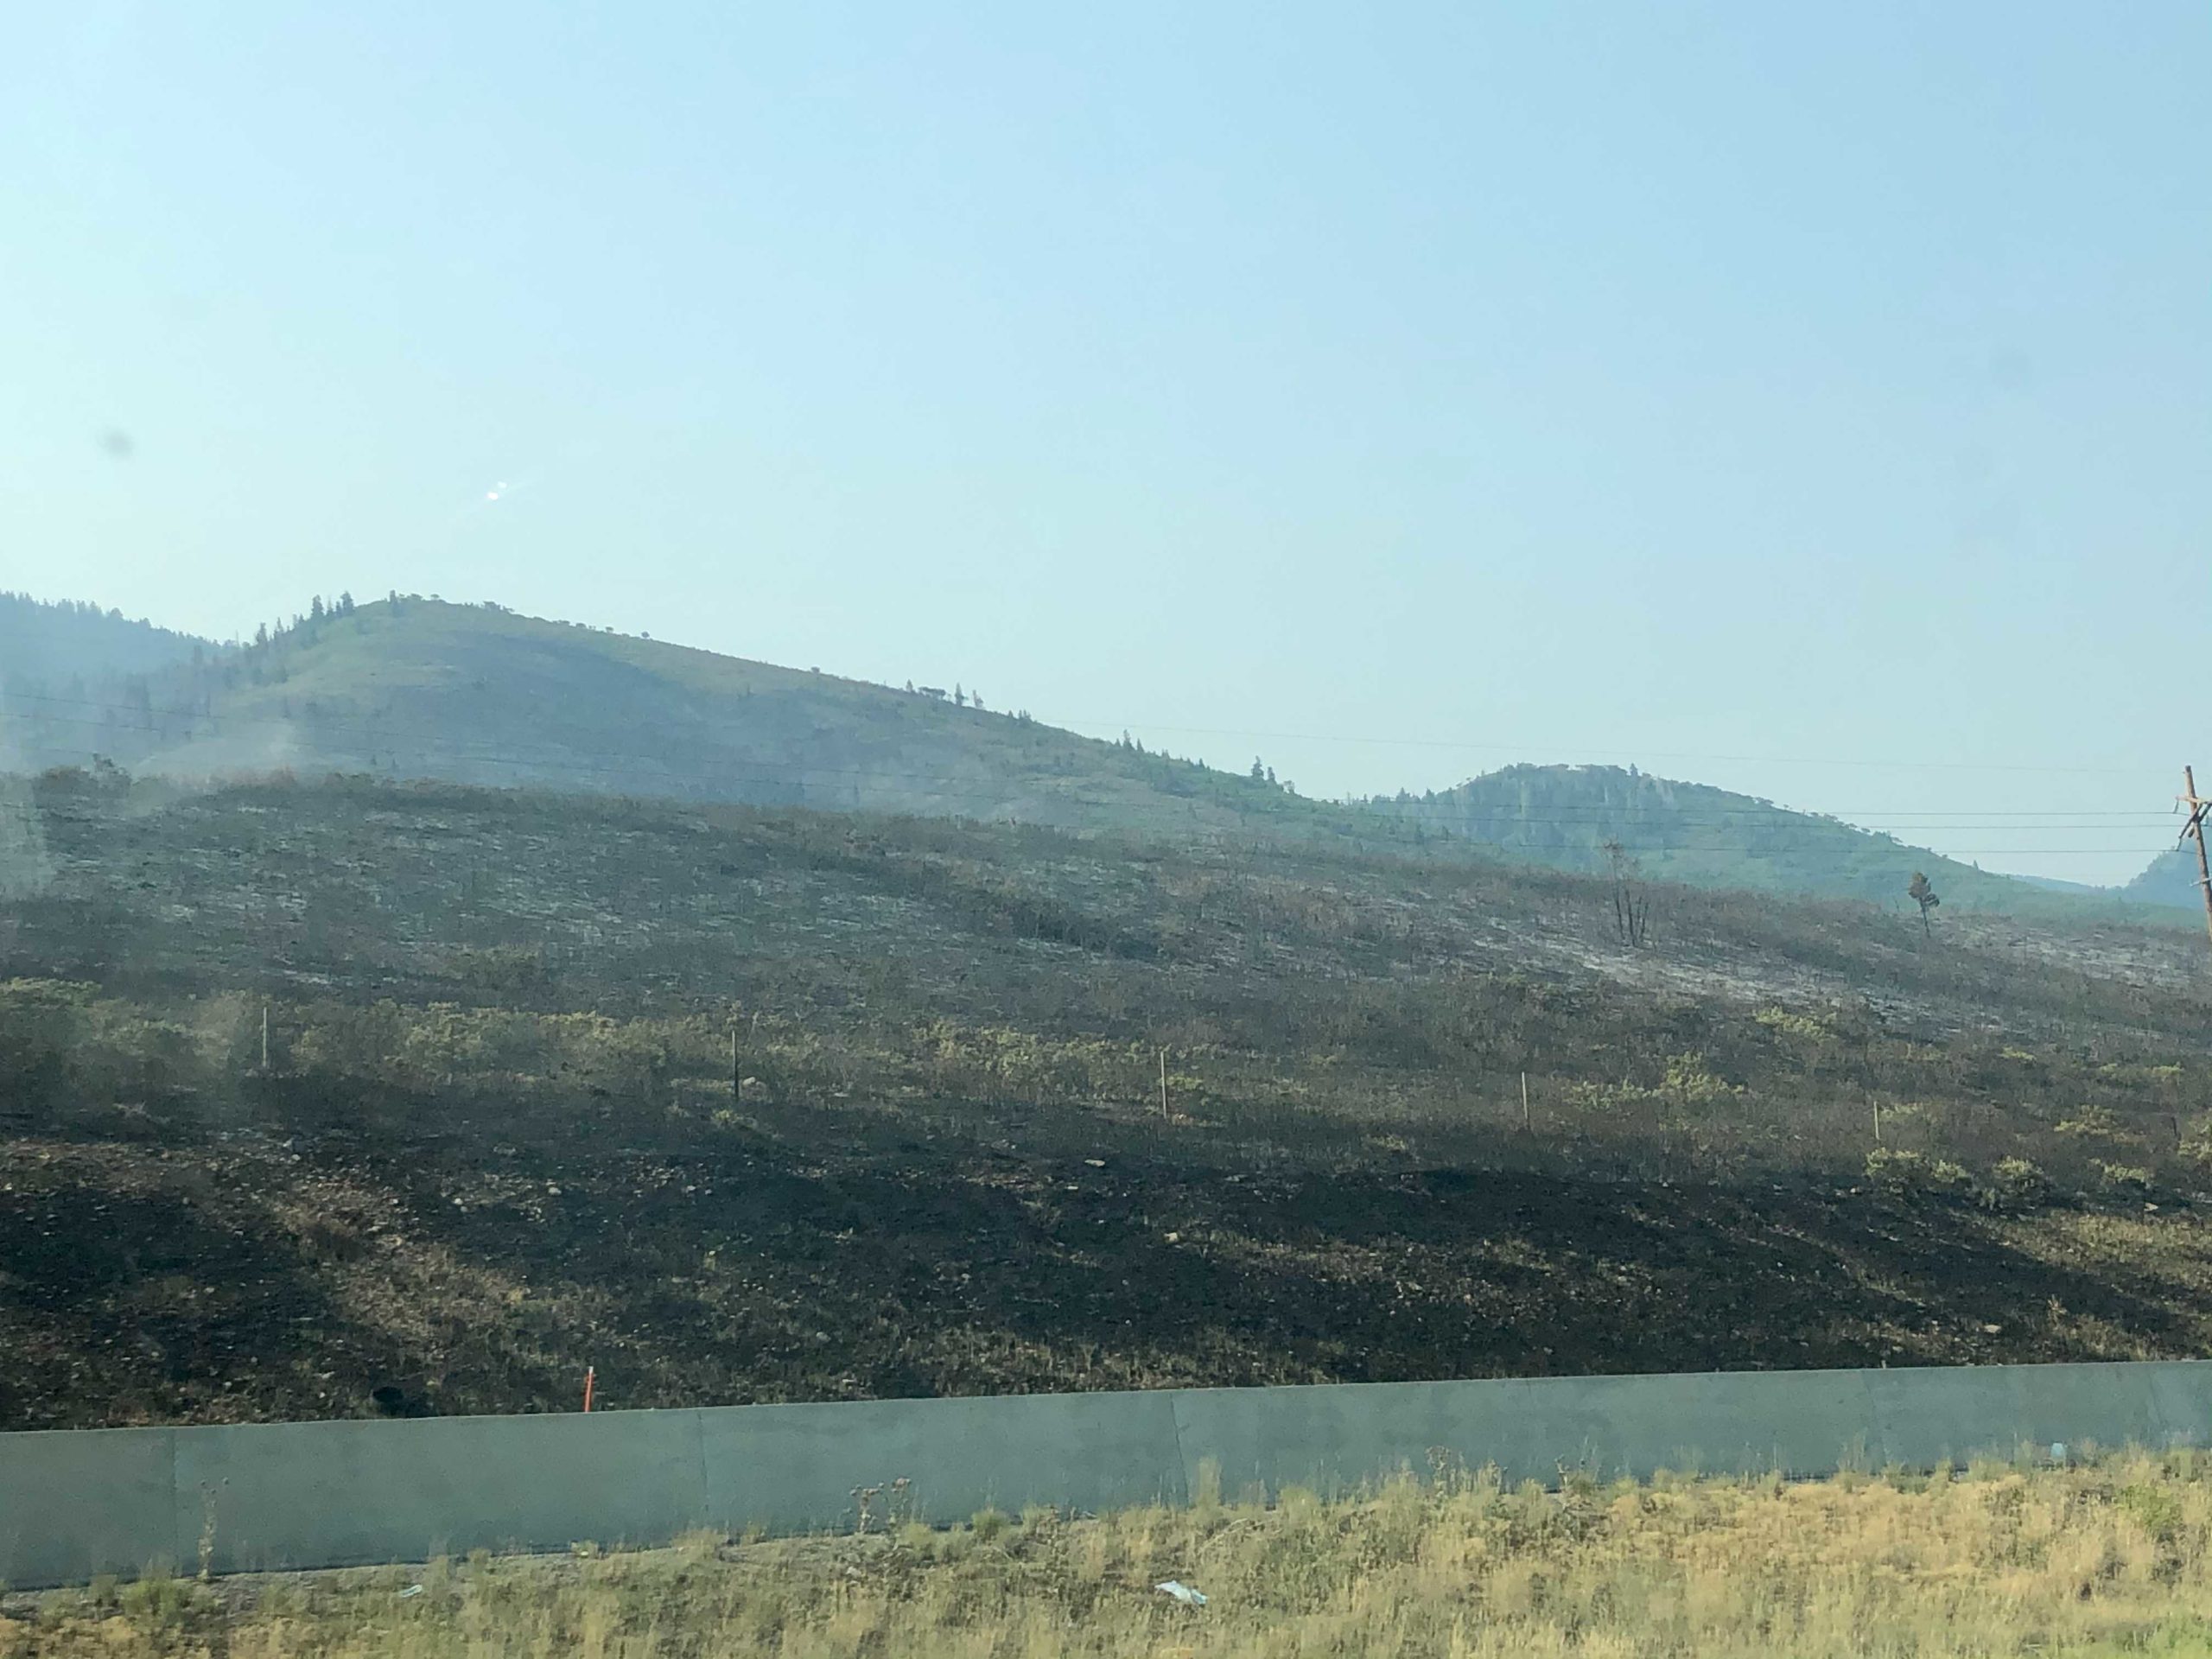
(1773, 835)
(1642, 754)
(1490, 746)
(630, 764)
(237, 648)
(1638, 849)
(1161, 812)
(1470, 820)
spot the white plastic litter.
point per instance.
(1182, 1592)
(2058, 1450)
(411, 1589)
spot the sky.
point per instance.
(1811, 401)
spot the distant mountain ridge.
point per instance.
(410, 687)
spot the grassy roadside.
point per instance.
(2106, 1557)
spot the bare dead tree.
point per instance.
(1632, 903)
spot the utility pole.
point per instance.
(264, 1040)
(1164, 1112)
(2194, 831)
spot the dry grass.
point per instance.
(2102, 1559)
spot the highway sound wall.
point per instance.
(77, 1502)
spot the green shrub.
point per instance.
(2155, 1508)
(987, 1524)
(1803, 1027)
(2098, 1123)
(2014, 1183)
(2123, 1180)
(157, 1602)
(2195, 1148)
(1897, 1170)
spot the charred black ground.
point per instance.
(499, 1138)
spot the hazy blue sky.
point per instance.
(1760, 393)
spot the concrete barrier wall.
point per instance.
(329, 1494)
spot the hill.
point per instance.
(63, 658)
(1565, 816)
(498, 1135)
(2170, 880)
(2054, 884)
(50, 643)
(408, 688)
(414, 688)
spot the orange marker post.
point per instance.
(589, 1374)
